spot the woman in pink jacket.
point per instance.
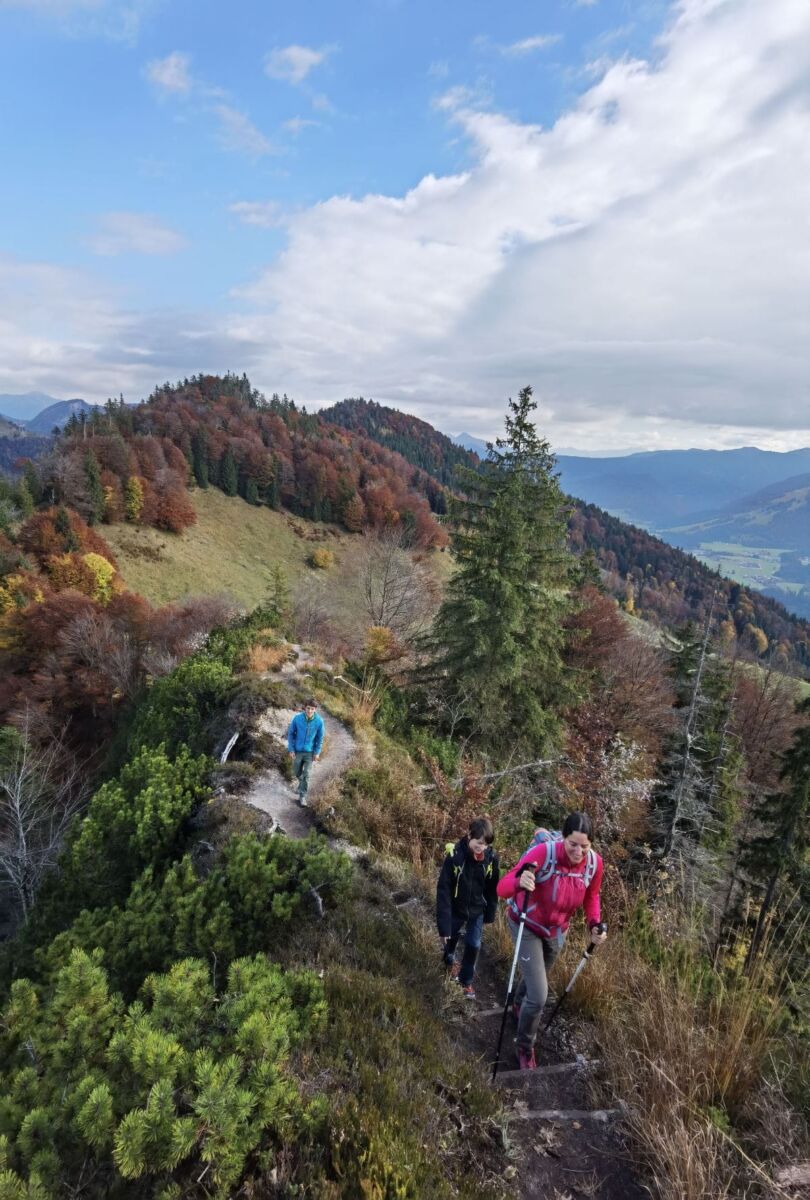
(559, 877)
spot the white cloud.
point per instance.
(292, 64)
(322, 103)
(266, 214)
(170, 75)
(65, 332)
(134, 233)
(526, 46)
(238, 133)
(641, 262)
(118, 20)
(55, 7)
(540, 41)
(297, 125)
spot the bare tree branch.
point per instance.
(40, 792)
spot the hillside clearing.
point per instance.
(232, 549)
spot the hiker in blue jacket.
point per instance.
(304, 741)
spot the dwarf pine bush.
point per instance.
(182, 1083)
(132, 822)
(248, 903)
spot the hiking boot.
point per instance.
(453, 970)
(526, 1059)
(468, 991)
(302, 800)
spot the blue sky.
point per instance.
(430, 204)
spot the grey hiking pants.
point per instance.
(302, 765)
(535, 959)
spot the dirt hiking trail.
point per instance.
(564, 1144)
(567, 1143)
(270, 791)
(277, 796)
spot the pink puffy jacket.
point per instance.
(553, 902)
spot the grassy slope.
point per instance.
(232, 548)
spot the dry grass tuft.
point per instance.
(363, 702)
(266, 658)
(686, 1048)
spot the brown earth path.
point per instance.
(564, 1142)
(270, 791)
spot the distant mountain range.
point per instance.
(48, 413)
(471, 443)
(20, 407)
(10, 429)
(24, 437)
(745, 512)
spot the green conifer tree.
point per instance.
(277, 602)
(199, 458)
(95, 491)
(498, 637)
(25, 501)
(274, 495)
(63, 528)
(777, 852)
(33, 481)
(229, 474)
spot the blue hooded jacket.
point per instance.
(304, 735)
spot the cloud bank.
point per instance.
(644, 263)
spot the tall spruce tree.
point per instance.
(777, 851)
(498, 638)
(230, 475)
(95, 491)
(199, 458)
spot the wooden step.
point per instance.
(566, 1114)
(579, 1064)
(497, 1012)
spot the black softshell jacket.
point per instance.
(466, 888)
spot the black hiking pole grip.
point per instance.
(589, 949)
(510, 990)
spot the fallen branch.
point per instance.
(540, 762)
(456, 783)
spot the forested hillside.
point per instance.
(17, 446)
(415, 440)
(196, 1004)
(658, 582)
(221, 433)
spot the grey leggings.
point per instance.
(536, 958)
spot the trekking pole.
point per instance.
(510, 991)
(589, 949)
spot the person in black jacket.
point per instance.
(466, 898)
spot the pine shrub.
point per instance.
(184, 1084)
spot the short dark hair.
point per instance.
(578, 822)
(310, 703)
(481, 827)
